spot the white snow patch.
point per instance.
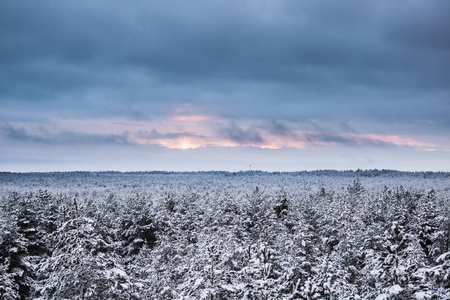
(443, 257)
(382, 297)
(198, 281)
(423, 295)
(117, 272)
(229, 288)
(394, 290)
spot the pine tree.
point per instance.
(83, 264)
(16, 271)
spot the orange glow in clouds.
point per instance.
(190, 130)
(299, 141)
(183, 143)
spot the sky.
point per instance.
(224, 85)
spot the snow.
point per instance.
(198, 281)
(230, 288)
(392, 291)
(443, 257)
(382, 297)
(212, 235)
(423, 295)
(118, 272)
(396, 289)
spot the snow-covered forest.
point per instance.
(217, 235)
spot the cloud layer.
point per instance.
(265, 74)
(239, 59)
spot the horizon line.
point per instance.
(230, 172)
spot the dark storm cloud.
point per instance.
(63, 138)
(296, 60)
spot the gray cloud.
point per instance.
(241, 136)
(352, 141)
(278, 128)
(333, 138)
(19, 134)
(63, 138)
(290, 60)
(156, 135)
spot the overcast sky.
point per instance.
(222, 85)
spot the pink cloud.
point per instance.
(190, 131)
(299, 140)
(399, 141)
(191, 118)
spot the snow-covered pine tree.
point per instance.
(83, 264)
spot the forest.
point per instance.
(365, 234)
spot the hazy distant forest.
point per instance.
(217, 235)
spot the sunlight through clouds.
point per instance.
(358, 82)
